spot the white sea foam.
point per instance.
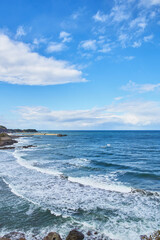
(30, 164)
(95, 183)
(122, 215)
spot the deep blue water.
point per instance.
(106, 181)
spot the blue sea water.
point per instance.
(104, 181)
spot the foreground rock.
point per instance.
(75, 235)
(154, 236)
(52, 236)
(14, 235)
(5, 139)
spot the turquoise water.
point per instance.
(88, 180)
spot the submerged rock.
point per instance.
(52, 236)
(75, 235)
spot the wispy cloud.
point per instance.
(148, 38)
(55, 47)
(141, 88)
(135, 115)
(148, 3)
(127, 22)
(20, 32)
(88, 44)
(136, 44)
(20, 65)
(129, 58)
(65, 36)
(100, 17)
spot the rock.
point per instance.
(75, 235)
(29, 146)
(154, 236)
(4, 238)
(14, 235)
(89, 233)
(3, 129)
(5, 139)
(52, 236)
(61, 135)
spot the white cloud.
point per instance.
(100, 17)
(129, 58)
(19, 65)
(65, 36)
(88, 44)
(38, 41)
(55, 47)
(136, 44)
(20, 32)
(120, 13)
(119, 115)
(148, 38)
(139, 22)
(141, 88)
(148, 3)
(105, 48)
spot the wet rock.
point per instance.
(15, 236)
(75, 235)
(6, 148)
(52, 236)
(29, 146)
(154, 236)
(4, 238)
(61, 135)
(89, 233)
(63, 176)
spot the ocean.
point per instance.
(100, 181)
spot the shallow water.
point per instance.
(86, 180)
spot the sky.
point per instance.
(80, 65)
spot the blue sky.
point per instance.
(84, 64)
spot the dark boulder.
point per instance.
(61, 135)
(75, 235)
(52, 236)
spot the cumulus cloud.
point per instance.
(120, 114)
(141, 88)
(19, 65)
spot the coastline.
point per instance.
(92, 236)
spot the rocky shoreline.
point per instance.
(73, 235)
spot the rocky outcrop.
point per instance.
(3, 129)
(14, 235)
(75, 235)
(5, 139)
(61, 135)
(52, 236)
